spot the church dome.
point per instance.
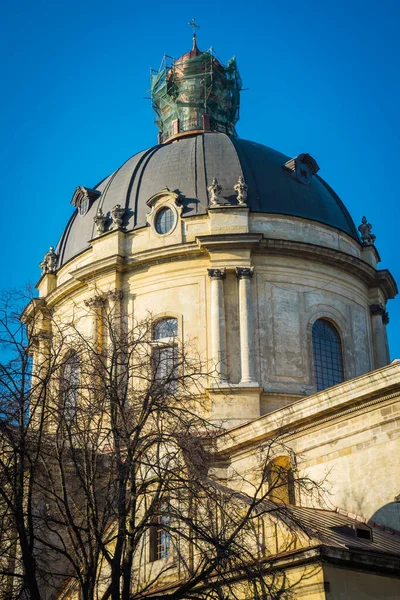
(187, 166)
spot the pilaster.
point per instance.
(246, 325)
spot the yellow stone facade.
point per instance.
(256, 331)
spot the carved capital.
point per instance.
(217, 273)
(244, 272)
(380, 310)
(115, 295)
(377, 309)
(94, 302)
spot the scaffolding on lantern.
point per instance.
(196, 92)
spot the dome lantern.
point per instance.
(196, 92)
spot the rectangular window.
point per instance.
(165, 366)
(160, 537)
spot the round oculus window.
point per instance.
(303, 173)
(164, 220)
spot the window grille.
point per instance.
(327, 352)
(160, 537)
(164, 220)
(166, 328)
(165, 353)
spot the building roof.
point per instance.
(187, 166)
(333, 528)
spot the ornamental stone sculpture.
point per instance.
(214, 191)
(100, 220)
(241, 190)
(117, 215)
(367, 237)
(49, 262)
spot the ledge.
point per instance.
(374, 387)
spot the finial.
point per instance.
(241, 190)
(100, 220)
(214, 191)
(367, 237)
(192, 23)
(117, 215)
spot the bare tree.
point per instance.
(112, 482)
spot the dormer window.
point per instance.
(356, 530)
(83, 199)
(303, 168)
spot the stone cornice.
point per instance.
(112, 263)
(189, 251)
(336, 258)
(369, 389)
(228, 241)
(210, 243)
(32, 308)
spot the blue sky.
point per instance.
(322, 78)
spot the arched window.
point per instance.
(165, 329)
(165, 352)
(280, 480)
(70, 387)
(327, 352)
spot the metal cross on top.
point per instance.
(192, 23)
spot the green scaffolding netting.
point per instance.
(192, 87)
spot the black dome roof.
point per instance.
(188, 165)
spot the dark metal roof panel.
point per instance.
(187, 166)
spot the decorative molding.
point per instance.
(165, 193)
(229, 240)
(164, 199)
(343, 413)
(217, 273)
(244, 272)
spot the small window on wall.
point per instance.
(327, 354)
(280, 480)
(70, 387)
(160, 537)
(165, 353)
(165, 220)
